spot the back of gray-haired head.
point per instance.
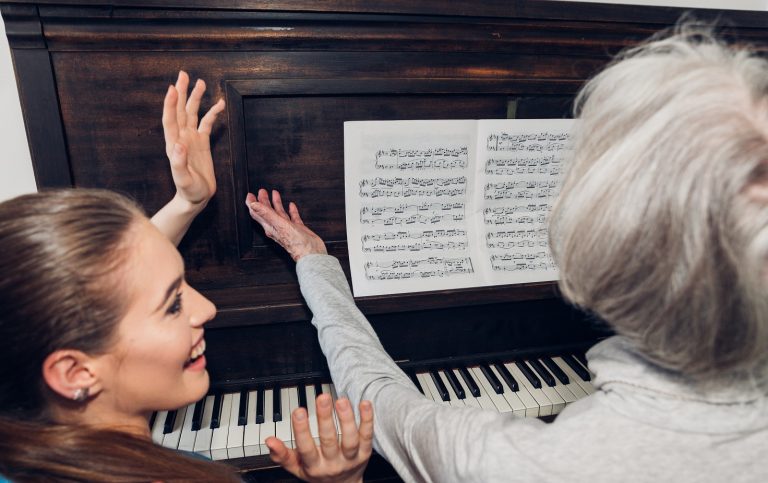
(656, 229)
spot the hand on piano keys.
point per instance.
(257, 422)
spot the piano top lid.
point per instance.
(528, 9)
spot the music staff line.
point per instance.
(420, 159)
(418, 268)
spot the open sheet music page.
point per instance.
(435, 205)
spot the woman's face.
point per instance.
(151, 366)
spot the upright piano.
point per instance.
(92, 75)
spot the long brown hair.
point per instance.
(60, 254)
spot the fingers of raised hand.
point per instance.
(193, 104)
(170, 127)
(329, 439)
(182, 84)
(206, 123)
(305, 444)
(350, 440)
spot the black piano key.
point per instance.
(542, 372)
(170, 419)
(216, 414)
(302, 396)
(555, 369)
(528, 373)
(442, 391)
(495, 383)
(581, 358)
(507, 376)
(197, 415)
(318, 389)
(152, 420)
(577, 368)
(469, 381)
(416, 383)
(276, 405)
(260, 394)
(242, 411)
(455, 385)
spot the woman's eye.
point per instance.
(175, 307)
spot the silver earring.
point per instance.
(81, 394)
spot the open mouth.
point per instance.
(197, 352)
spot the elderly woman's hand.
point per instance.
(287, 229)
(187, 142)
(332, 461)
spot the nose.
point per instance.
(203, 310)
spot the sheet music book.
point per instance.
(435, 205)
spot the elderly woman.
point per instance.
(661, 229)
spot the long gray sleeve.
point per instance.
(421, 439)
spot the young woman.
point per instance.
(661, 229)
(99, 328)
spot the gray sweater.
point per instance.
(642, 423)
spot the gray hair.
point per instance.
(655, 229)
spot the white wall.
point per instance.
(16, 176)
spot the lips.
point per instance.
(197, 351)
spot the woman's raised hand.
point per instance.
(187, 142)
(286, 228)
(332, 461)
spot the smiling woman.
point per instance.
(99, 328)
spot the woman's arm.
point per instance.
(188, 147)
(421, 439)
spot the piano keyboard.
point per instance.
(235, 425)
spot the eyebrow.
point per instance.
(171, 290)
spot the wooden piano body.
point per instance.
(92, 76)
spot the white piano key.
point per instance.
(187, 439)
(427, 379)
(235, 434)
(422, 378)
(283, 428)
(471, 400)
(157, 427)
(312, 412)
(453, 399)
(251, 430)
(512, 397)
(574, 379)
(586, 385)
(558, 402)
(204, 434)
(267, 428)
(535, 401)
(219, 437)
(293, 401)
(331, 389)
(499, 401)
(171, 440)
(565, 393)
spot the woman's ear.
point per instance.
(71, 374)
